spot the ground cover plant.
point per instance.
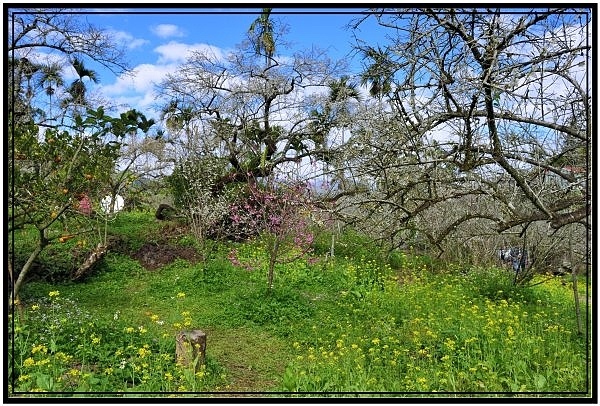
(336, 326)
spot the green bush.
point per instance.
(216, 275)
(497, 284)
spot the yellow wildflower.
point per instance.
(39, 348)
(44, 361)
(29, 362)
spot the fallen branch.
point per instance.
(96, 255)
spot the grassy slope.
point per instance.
(122, 285)
(253, 337)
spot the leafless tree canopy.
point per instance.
(252, 107)
(480, 116)
(65, 31)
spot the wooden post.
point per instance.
(190, 348)
(332, 249)
(576, 296)
(575, 290)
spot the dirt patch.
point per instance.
(154, 256)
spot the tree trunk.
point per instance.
(576, 296)
(19, 282)
(96, 255)
(575, 289)
(332, 249)
(190, 348)
(272, 261)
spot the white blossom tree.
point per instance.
(490, 106)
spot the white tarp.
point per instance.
(108, 206)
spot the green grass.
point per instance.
(352, 323)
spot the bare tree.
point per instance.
(65, 32)
(488, 109)
(49, 39)
(252, 106)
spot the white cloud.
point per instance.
(167, 30)
(140, 81)
(137, 89)
(126, 38)
(177, 52)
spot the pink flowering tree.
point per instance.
(278, 214)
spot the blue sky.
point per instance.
(157, 43)
(158, 39)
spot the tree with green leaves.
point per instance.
(50, 176)
(379, 72)
(77, 90)
(54, 165)
(51, 80)
(261, 35)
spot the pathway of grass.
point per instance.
(253, 359)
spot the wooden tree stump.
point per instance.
(190, 348)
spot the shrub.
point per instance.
(497, 284)
(349, 243)
(280, 213)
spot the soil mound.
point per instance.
(154, 256)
